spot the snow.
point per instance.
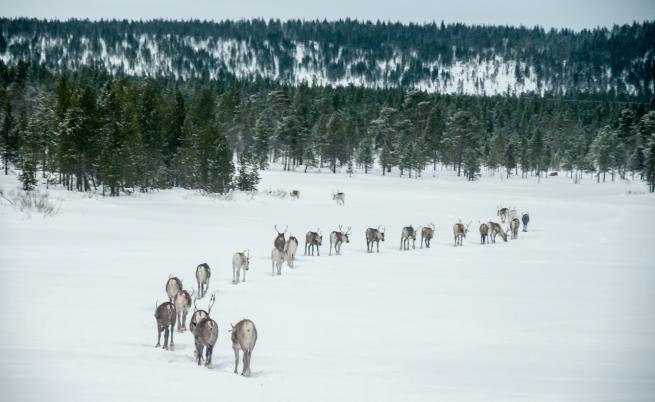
(564, 313)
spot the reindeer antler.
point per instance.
(349, 227)
(211, 303)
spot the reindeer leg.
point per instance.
(158, 338)
(246, 371)
(244, 274)
(165, 338)
(208, 359)
(236, 360)
(172, 344)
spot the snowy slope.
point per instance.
(564, 313)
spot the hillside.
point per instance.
(452, 59)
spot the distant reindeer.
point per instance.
(295, 194)
(484, 232)
(459, 231)
(339, 196)
(244, 337)
(277, 259)
(205, 336)
(337, 238)
(407, 233)
(290, 250)
(165, 317)
(313, 239)
(240, 260)
(173, 287)
(202, 277)
(525, 218)
(503, 213)
(374, 236)
(496, 229)
(280, 241)
(514, 228)
(427, 233)
(182, 304)
(200, 314)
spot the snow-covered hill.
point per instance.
(452, 60)
(564, 313)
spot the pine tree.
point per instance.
(648, 130)
(602, 150)
(461, 135)
(509, 158)
(9, 144)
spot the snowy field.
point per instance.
(564, 313)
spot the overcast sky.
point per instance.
(576, 14)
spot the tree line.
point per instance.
(88, 129)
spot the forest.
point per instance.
(453, 58)
(88, 127)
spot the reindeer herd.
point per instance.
(203, 328)
(244, 334)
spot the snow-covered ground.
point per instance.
(564, 313)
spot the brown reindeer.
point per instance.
(173, 287)
(295, 194)
(205, 337)
(496, 229)
(408, 233)
(525, 218)
(514, 228)
(203, 273)
(244, 337)
(280, 241)
(503, 213)
(182, 304)
(339, 197)
(484, 232)
(290, 250)
(337, 238)
(459, 231)
(427, 233)
(240, 261)
(313, 239)
(374, 236)
(165, 317)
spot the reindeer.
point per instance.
(280, 241)
(427, 233)
(374, 236)
(290, 251)
(525, 218)
(460, 231)
(240, 260)
(277, 259)
(339, 196)
(484, 232)
(165, 317)
(244, 337)
(337, 238)
(173, 287)
(496, 229)
(295, 194)
(503, 213)
(408, 233)
(313, 239)
(205, 336)
(200, 314)
(182, 303)
(514, 228)
(202, 277)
